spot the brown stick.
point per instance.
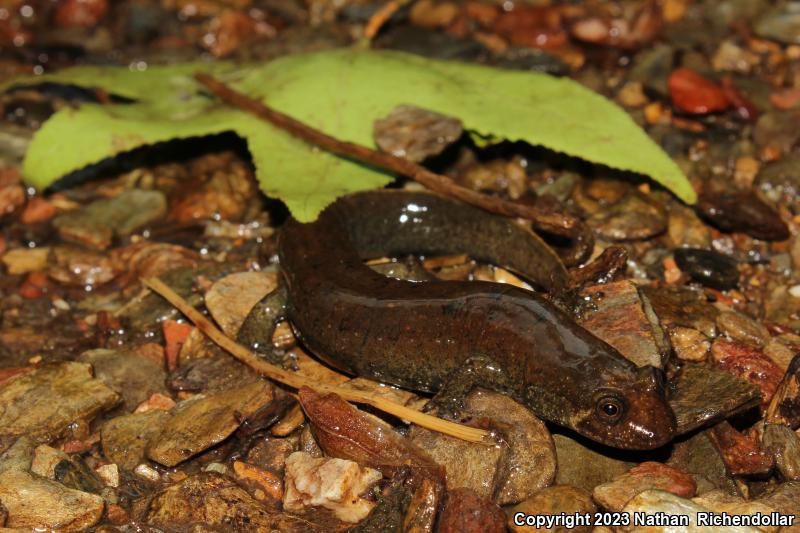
(297, 381)
(545, 220)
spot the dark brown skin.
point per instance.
(419, 334)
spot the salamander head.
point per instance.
(629, 415)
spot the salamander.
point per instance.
(418, 335)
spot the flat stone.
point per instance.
(231, 298)
(46, 401)
(784, 445)
(682, 306)
(96, 224)
(205, 420)
(133, 377)
(414, 133)
(38, 503)
(553, 501)
(219, 503)
(697, 456)
(618, 316)
(125, 438)
(645, 476)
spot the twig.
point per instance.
(381, 16)
(545, 220)
(296, 381)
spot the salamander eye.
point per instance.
(610, 408)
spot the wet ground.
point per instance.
(117, 415)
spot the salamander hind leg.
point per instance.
(477, 371)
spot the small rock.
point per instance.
(748, 363)
(36, 503)
(708, 268)
(26, 402)
(12, 193)
(781, 24)
(689, 344)
(466, 512)
(742, 453)
(216, 501)
(780, 353)
(648, 475)
(685, 229)
(784, 445)
(80, 13)
(231, 298)
(262, 484)
(742, 328)
(109, 474)
(618, 316)
(631, 95)
(72, 265)
(634, 217)
(553, 501)
(147, 473)
(25, 260)
(414, 133)
(659, 502)
(96, 224)
(784, 408)
(698, 457)
(692, 93)
(785, 498)
(335, 484)
(125, 438)
(45, 460)
(776, 130)
(202, 421)
(129, 375)
(743, 212)
(779, 180)
(721, 502)
(682, 306)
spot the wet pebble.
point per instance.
(779, 180)
(721, 502)
(743, 212)
(581, 465)
(648, 475)
(70, 386)
(777, 130)
(685, 229)
(414, 133)
(749, 363)
(73, 265)
(781, 24)
(695, 94)
(708, 267)
(335, 484)
(659, 502)
(683, 306)
(125, 438)
(741, 452)
(218, 502)
(784, 445)
(466, 512)
(33, 503)
(689, 344)
(553, 501)
(619, 317)
(133, 377)
(634, 217)
(96, 224)
(231, 298)
(205, 420)
(742, 328)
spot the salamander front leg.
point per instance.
(477, 371)
(259, 326)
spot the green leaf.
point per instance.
(340, 92)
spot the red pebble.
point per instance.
(692, 93)
(741, 453)
(750, 364)
(81, 13)
(34, 286)
(175, 334)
